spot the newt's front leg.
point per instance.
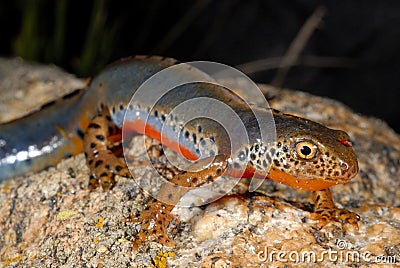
(103, 163)
(156, 217)
(325, 210)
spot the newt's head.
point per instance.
(307, 155)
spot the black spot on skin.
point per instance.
(219, 171)
(256, 148)
(336, 173)
(93, 145)
(169, 196)
(86, 154)
(110, 130)
(212, 139)
(118, 168)
(163, 117)
(287, 166)
(66, 155)
(187, 134)
(285, 149)
(100, 137)
(98, 163)
(279, 145)
(104, 174)
(94, 125)
(276, 162)
(199, 129)
(107, 166)
(194, 138)
(80, 133)
(253, 156)
(113, 110)
(209, 178)
(155, 113)
(101, 106)
(327, 154)
(108, 118)
(121, 107)
(195, 180)
(265, 164)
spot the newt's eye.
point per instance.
(306, 149)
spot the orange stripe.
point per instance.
(139, 127)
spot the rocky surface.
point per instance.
(50, 219)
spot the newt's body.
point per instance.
(305, 155)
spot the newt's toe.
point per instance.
(324, 216)
(154, 221)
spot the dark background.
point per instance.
(363, 37)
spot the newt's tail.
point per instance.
(43, 138)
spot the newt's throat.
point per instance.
(306, 184)
(284, 178)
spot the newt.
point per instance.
(305, 155)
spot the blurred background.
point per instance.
(347, 50)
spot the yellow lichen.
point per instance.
(100, 222)
(160, 261)
(66, 214)
(10, 261)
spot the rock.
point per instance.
(272, 229)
